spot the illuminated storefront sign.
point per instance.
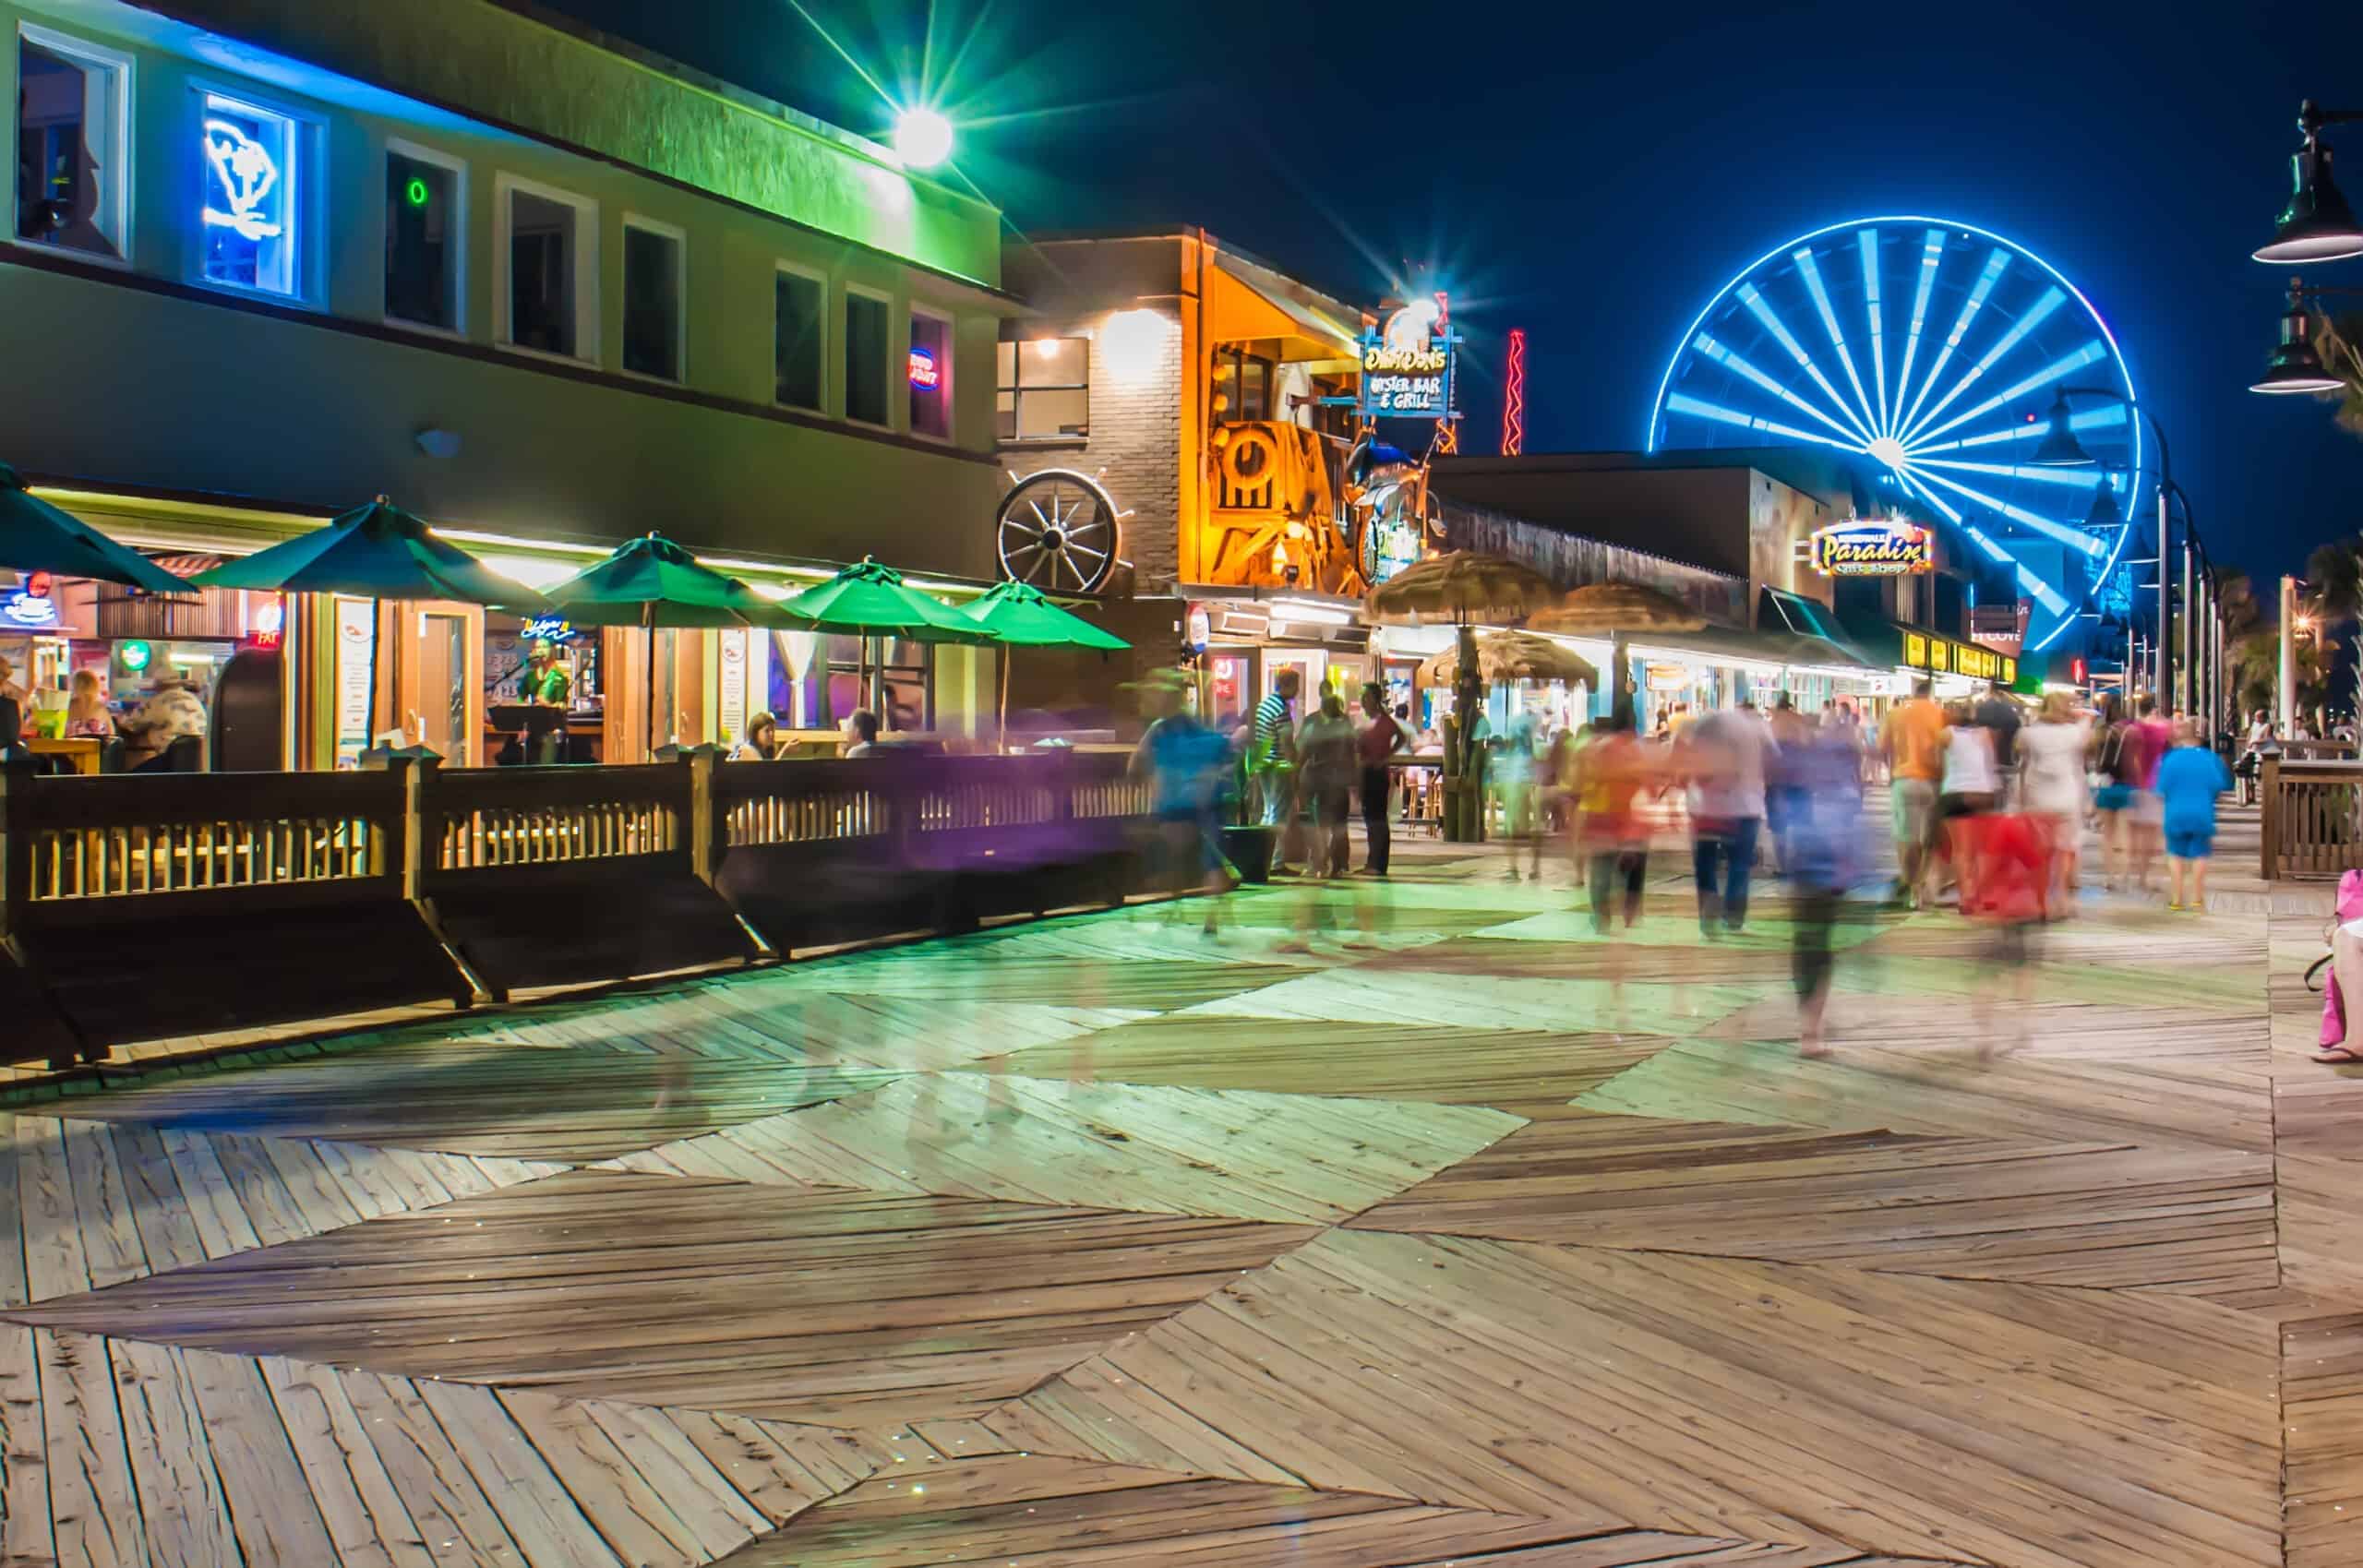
(925, 374)
(246, 177)
(249, 209)
(548, 629)
(134, 656)
(1407, 365)
(23, 608)
(1873, 549)
(1940, 655)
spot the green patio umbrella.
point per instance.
(37, 536)
(868, 600)
(1021, 616)
(381, 551)
(652, 582)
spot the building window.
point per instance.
(549, 249)
(799, 306)
(1044, 389)
(1244, 383)
(866, 358)
(653, 299)
(253, 196)
(73, 106)
(930, 374)
(426, 219)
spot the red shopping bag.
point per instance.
(2004, 861)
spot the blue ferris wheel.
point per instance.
(1931, 347)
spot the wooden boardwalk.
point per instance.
(1463, 1238)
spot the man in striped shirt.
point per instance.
(1273, 746)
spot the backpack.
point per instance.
(2115, 761)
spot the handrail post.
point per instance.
(705, 823)
(407, 838)
(15, 842)
(2269, 793)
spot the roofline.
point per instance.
(1185, 232)
(658, 64)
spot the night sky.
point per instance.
(1595, 177)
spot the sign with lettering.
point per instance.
(1941, 656)
(1862, 548)
(925, 374)
(1407, 365)
(548, 629)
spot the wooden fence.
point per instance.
(2312, 817)
(133, 906)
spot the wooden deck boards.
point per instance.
(1461, 1238)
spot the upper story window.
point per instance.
(549, 283)
(1244, 383)
(426, 220)
(929, 373)
(800, 303)
(653, 299)
(866, 318)
(1044, 389)
(252, 195)
(73, 145)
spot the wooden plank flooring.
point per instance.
(1462, 1238)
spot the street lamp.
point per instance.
(2059, 449)
(922, 137)
(2294, 366)
(2318, 225)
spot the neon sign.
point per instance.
(245, 176)
(416, 193)
(924, 375)
(548, 629)
(134, 656)
(1860, 548)
(1407, 365)
(25, 608)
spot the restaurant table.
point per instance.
(1422, 781)
(80, 753)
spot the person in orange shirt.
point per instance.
(1915, 737)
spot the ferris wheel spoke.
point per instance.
(2053, 298)
(1761, 308)
(1723, 356)
(2076, 478)
(2057, 370)
(1682, 402)
(1931, 255)
(2074, 538)
(1995, 264)
(1812, 274)
(1867, 241)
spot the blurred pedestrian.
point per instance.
(1781, 790)
(1971, 786)
(1382, 735)
(2148, 740)
(1513, 771)
(2053, 751)
(1999, 717)
(1610, 838)
(1723, 759)
(2189, 778)
(1913, 739)
(1822, 862)
(1187, 766)
(1325, 744)
(1272, 760)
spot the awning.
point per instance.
(1774, 646)
(1245, 301)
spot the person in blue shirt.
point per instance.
(2189, 778)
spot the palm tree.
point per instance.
(2256, 670)
(2340, 344)
(2335, 578)
(2236, 599)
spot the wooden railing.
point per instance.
(2312, 817)
(477, 819)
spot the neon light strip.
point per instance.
(1970, 308)
(2052, 300)
(2057, 370)
(2043, 592)
(1514, 397)
(1682, 402)
(1931, 254)
(1724, 356)
(1868, 242)
(1804, 258)
(1750, 296)
(2049, 527)
(2027, 430)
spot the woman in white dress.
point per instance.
(2053, 749)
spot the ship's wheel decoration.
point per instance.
(1058, 531)
(1932, 348)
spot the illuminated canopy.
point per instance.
(1932, 348)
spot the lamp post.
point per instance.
(2288, 655)
(2059, 449)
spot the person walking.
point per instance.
(1512, 769)
(1271, 750)
(1821, 863)
(1782, 792)
(2155, 736)
(1913, 738)
(2000, 719)
(1971, 785)
(1187, 765)
(2263, 741)
(1726, 757)
(1325, 746)
(2052, 751)
(2187, 781)
(1380, 739)
(1613, 844)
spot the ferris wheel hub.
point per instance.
(1888, 451)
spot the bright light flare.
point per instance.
(922, 137)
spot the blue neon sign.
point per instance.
(249, 190)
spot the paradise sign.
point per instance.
(1873, 549)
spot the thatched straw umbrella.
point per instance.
(1515, 655)
(1616, 611)
(1461, 588)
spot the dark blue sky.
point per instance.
(1594, 176)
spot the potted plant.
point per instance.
(1247, 841)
